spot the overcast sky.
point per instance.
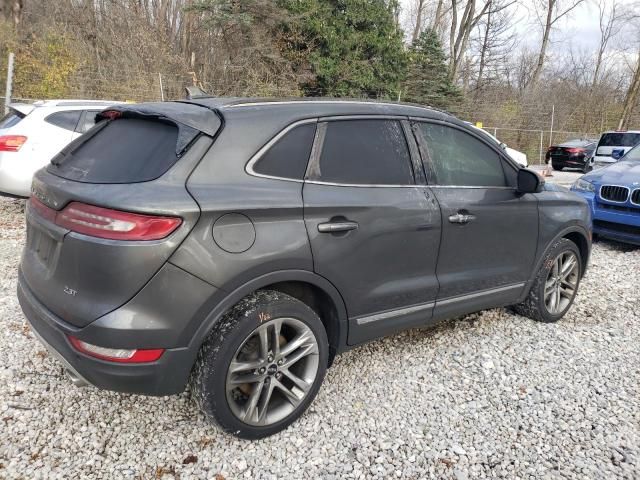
(579, 30)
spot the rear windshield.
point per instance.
(619, 139)
(127, 150)
(12, 118)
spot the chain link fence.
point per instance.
(526, 127)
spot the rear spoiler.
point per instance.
(23, 108)
(191, 119)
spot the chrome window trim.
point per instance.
(394, 313)
(364, 185)
(256, 157)
(614, 201)
(493, 187)
(483, 293)
(631, 192)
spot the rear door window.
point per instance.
(12, 118)
(456, 158)
(67, 120)
(288, 157)
(365, 152)
(126, 150)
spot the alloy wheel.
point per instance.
(562, 283)
(272, 371)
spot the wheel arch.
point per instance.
(312, 289)
(578, 235)
(580, 239)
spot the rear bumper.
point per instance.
(570, 162)
(16, 174)
(166, 376)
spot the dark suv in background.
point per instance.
(238, 245)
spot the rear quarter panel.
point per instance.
(274, 209)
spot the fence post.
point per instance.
(7, 94)
(553, 115)
(541, 145)
(161, 87)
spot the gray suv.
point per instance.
(236, 246)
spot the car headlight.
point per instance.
(582, 185)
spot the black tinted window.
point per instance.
(88, 121)
(66, 120)
(458, 158)
(371, 152)
(619, 139)
(123, 151)
(10, 119)
(288, 157)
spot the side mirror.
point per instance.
(529, 181)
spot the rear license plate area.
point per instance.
(42, 246)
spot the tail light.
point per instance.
(120, 355)
(575, 150)
(107, 223)
(11, 143)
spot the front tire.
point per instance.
(556, 284)
(261, 366)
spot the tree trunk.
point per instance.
(631, 98)
(418, 26)
(483, 53)
(437, 19)
(535, 77)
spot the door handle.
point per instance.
(461, 218)
(332, 227)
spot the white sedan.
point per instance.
(32, 134)
(519, 157)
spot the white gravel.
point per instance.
(492, 395)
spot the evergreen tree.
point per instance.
(428, 81)
(346, 47)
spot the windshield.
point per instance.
(633, 154)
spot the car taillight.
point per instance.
(107, 223)
(120, 355)
(11, 143)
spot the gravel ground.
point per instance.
(491, 395)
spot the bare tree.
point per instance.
(495, 40)
(611, 14)
(631, 98)
(551, 11)
(419, 6)
(459, 32)
(12, 10)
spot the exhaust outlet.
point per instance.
(75, 379)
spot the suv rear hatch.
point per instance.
(111, 208)
(620, 142)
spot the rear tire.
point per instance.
(556, 284)
(261, 366)
(556, 167)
